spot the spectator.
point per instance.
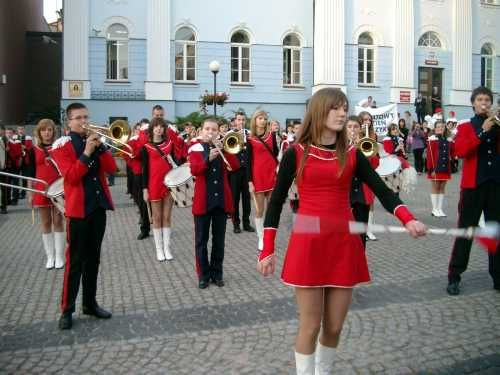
(417, 142)
(420, 104)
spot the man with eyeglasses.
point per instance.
(83, 161)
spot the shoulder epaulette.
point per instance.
(60, 142)
(197, 147)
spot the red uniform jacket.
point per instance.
(134, 162)
(466, 146)
(42, 169)
(28, 145)
(390, 149)
(73, 170)
(199, 166)
(14, 154)
(433, 156)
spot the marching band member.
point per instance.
(212, 203)
(324, 261)
(83, 162)
(27, 145)
(286, 143)
(157, 157)
(262, 151)
(13, 164)
(451, 126)
(239, 181)
(478, 143)
(362, 197)
(366, 119)
(135, 166)
(42, 168)
(440, 151)
(3, 159)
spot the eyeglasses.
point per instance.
(85, 117)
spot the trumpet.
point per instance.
(233, 142)
(118, 132)
(366, 145)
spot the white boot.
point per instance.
(369, 234)
(48, 245)
(158, 244)
(440, 205)
(166, 243)
(304, 363)
(325, 356)
(434, 200)
(60, 245)
(259, 228)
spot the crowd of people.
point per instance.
(330, 158)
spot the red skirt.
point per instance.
(328, 258)
(40, 200)
(439, 176)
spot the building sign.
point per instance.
(382, 117)
(431, 59)
(75, 89)
(404, 96)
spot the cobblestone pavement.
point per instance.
(402, 323)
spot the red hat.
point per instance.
(438, 110)
(452, 113)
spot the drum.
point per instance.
(181, 184)
(390, 171)
(55, 192)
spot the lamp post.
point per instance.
(214, 68)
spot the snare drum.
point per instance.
(390, 170)
(181, 184)
(55, 192)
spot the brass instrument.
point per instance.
(366, 145)
(20, 187)
(118, 132)
(214, 143)
(233, 142)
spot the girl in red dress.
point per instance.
(440, 152)
(51, 220)
(323, 260)
(157, 160)
(262, 153)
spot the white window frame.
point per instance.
(240, 47)
(488, 59)
(428, 40)
(292, 62)
(185, 44)
(120, 42)
(364, 49)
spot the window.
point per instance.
(240, 57)
(117, 52)
(430, 39)
(487, 66)
(366, 60)
(291, 60)
(185, 55)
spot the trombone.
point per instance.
(118, 132)
(20, 187)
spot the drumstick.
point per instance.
(488, 236)
(32, 216)
(150, 215)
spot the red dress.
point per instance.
(325, 258)
(43, 170)
(157, 168)
(263, 162)
(440, 151)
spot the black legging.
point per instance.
(419, 160)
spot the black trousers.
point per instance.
(82, 259)
(360, 212)
(130, 180)
(4, 193)
(239, 186)
(136, 191)
(205, 268)
(485, 197)
(419, 159)
(13, 193)
(420, 116)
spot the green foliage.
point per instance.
(196, 118)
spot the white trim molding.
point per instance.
(244, 27)
(445, 42)
(112, 20)
(378, 40)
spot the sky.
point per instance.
(49, 9)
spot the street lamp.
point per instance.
(214, 68)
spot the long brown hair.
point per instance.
(157, 121)
(42, 125)
(371, 130)
(253, 122)
(314, 122)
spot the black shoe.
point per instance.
(237, 229)
(496, 286)
(14, 203)
(97, 311)
(65, 321)
(248, 228)
(219, 283)
(3, 211)
(203, 284)
(142, 236)
(453, 289)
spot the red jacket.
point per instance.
(433, 153)
(28, 145)
(73, 170)
(134, 162)
(199, 167)
(14, 154)
(466, 146)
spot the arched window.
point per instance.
(487, 66)
(366, 60)
(117, 52)
(185, 55)
(240, 57)
(430, 39)
(291, 60)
